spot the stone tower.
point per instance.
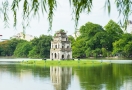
(60, 47)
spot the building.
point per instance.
(76, 34)
(60, 46)
(129, 27)
(0, 37)
(23, 36)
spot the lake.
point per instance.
(114, 76)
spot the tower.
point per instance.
(60, 46)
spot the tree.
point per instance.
(91, 41)
(114, 31)
(44, 46)
(78, 48)
(13, 44)
(8, 47)
(33, 53)
(71, 39)
(32, 8)
(22, 49)
(95, 38)
(128, 49)
(98, 44)
(4, 47)
(90, 29)
(41, 47)
(123, 46)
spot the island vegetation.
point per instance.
(93, 41)
(82, 62)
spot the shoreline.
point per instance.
(63, 63)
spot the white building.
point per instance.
(60, 46)
(76, 34)
(129, 27)
(22, 36)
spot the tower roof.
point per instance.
(61, 31)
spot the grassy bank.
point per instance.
(63, 63)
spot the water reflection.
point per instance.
(60, 77)
(106, 77)
(95, 77)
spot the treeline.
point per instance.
(36, 48)
(98, 41)
(94, 41)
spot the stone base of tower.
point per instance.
(54, 55)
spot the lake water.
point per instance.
(114, 76)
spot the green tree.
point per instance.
(71, 39)
(41, 47)
(128, 49)
(93, 37)
(22, 49)
(114, 31)
(90, 29)
(8, 47)
(44, 46)
(78, 48)
(12, 45)
(122, 46)
(33, 53)
(104, 52)
(4, 47)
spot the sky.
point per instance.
(62, 20)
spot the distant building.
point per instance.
(0, 37)
(76, 34)
(129, 27)
(60, 46)
(22, 36)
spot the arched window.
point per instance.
(55, 55)
(58, 45)
(52, 56)
(68, 56)
(58, 55)
(62, 56)
(55, 46)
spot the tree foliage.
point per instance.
(41, 47)
(114, 31)
(37, 48)
(123, 46)
(22, 49)
(96, 41)
(8, 47)
(32, 7)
